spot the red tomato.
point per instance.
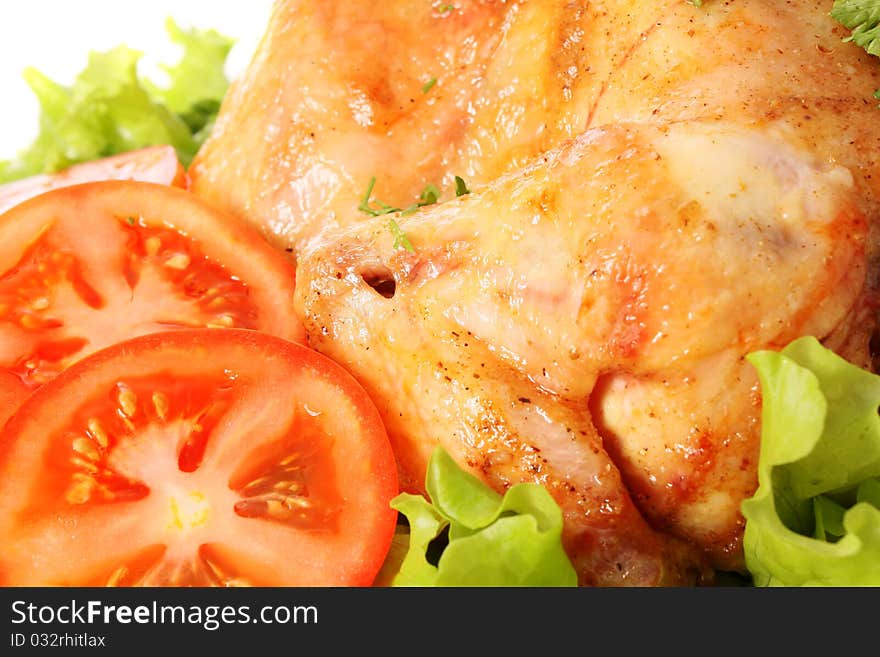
(157, 164)
(86, 266)
(203, 457)
(12, 393)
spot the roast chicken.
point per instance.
(654, 190)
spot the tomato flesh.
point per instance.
(90, 265)
(13, 392)
(197, 458)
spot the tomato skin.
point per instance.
(157, 164)
(109, 286)
(268, 371)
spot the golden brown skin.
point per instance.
(296, 156)
(658, 190)
(594, 339)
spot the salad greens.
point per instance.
(513, 540)
(863, 18)
(815, 518)
(111, 109)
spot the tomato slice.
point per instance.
(86, 266)
(12, 393)
(197, 458)
(157, 164)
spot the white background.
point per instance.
(55, 36)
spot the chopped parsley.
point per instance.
(368, 203)
(374, 207)
(429, 85)
(430, 195)
(862, 17)
(445, 9)
(400, 238)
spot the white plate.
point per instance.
(55, 36)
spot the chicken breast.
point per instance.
(657, 190)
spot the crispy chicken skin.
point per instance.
(657, 190)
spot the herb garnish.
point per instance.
(367, 202)
(400, 238)
(430, 195)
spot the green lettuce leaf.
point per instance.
(198, 81)
(863, 18)
(110, 109)
(198, 76)
(814, 520)
(515, 540)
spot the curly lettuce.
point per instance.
(111, 109)
(815, 517)
(862, 17)
(490, 540)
